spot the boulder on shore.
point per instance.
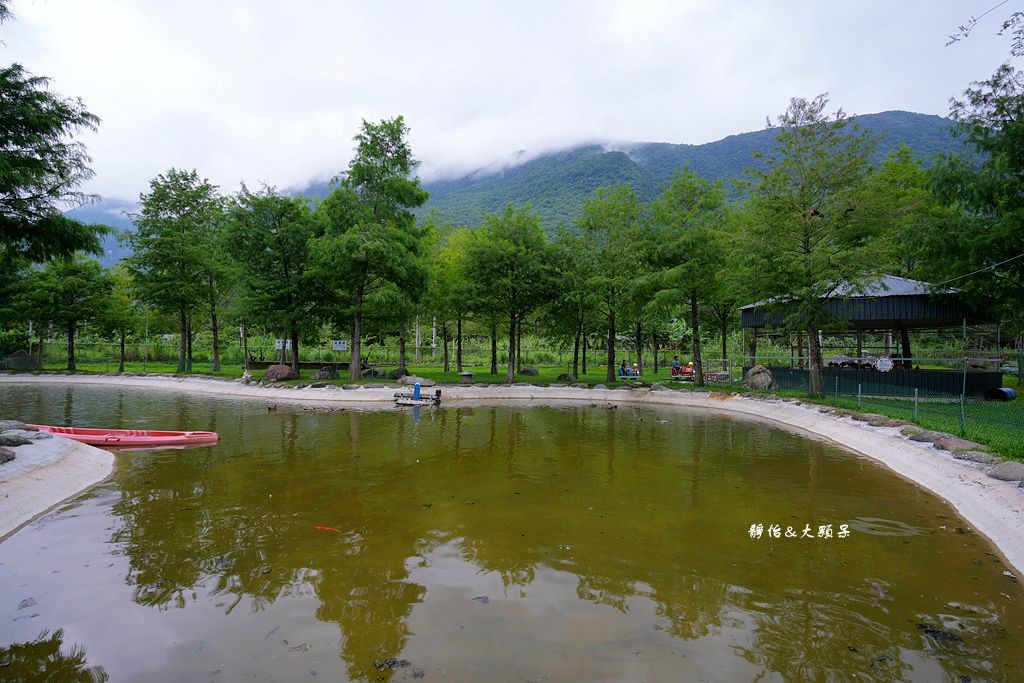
(276, 373)
(409, 380)
(760, 378)
(530, 372)
(326, 372)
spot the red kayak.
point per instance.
(129, 437)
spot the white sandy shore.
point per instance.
(994, 508)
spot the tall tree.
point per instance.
(42, 167)
(67, 292)
(570, 310)
(270, 237)
(449, 293)
(120, 316)
(810, 230)
(174, 251)
(609, 230)
(981, 250)
(688, 251)
(370, 238)
(507, 265)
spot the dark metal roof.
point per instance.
(889, 302)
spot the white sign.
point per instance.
(884, 364)
(339, 344)
(282, 344)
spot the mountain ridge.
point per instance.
(556, 183)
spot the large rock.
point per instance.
(955, 443)
(276, 373)
(398, 373)
(9, 439)
(326, 372)
(530, 372)
(566, 377)
(6, 455)
(11, 424)
(927, 436)
(760, 378)
(978, 456)
(1011, 470)
(409, 380)
(31, 435)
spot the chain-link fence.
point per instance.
(966, 396)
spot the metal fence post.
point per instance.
(963, 393)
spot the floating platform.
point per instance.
(418, 399)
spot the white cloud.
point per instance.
(273, 91)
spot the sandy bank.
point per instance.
(45, 473)
(994, 508)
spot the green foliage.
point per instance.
(980, 248)
(811, 228)
(177, 261)
(42, 167)
(67, 292)
(370, 241)
(557, 184)
(507, 266)
(688, 250)
(269, 237)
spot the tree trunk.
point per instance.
(71, 346)
(355, 368)
(120, 364)
(245, 349)
(583, 363)
(42, 347)
(698, 362)
(295, 348)
(816, 379)
(401, 350)
(182, 339)
(654, 347)
(725, 345)
(444, 342)
(801, 361)
(458, 342)
(519, 346)
(216, 337)
(639, 348)
(610, 374)
(510, 375)
(417, 354)
(908, 358)
(494, 348)
(752, 348)
(188, 357)
(576, 350)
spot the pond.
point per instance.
(492, 543)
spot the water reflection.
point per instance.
(580, 543)
(43, 659)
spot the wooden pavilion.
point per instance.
(893, 307)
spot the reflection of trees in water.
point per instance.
(42, 660)
(522, 489)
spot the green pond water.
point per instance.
(491, 543)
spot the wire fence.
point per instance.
(105, 356)
(967, 396)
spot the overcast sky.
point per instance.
(273, 91)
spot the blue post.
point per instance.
(416, 391)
